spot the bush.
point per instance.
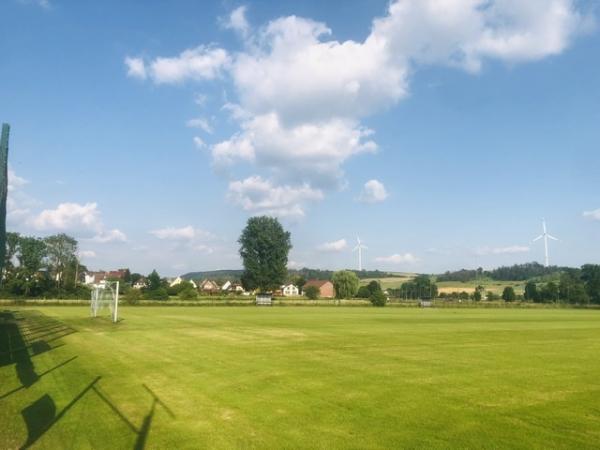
(133, 296)
(378, 298)
(188, 294)
(312, 292)
(363, 292)
(157, 294)
(508, 295)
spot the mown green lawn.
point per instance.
(326, 377)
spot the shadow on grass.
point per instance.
(143, 431)
(24, 335)
(41, 415)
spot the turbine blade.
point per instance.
(552, 237)
(538, 238)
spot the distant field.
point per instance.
(300, 377)
(389, 282)
(450, 286)
(489, 285)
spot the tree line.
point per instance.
(42, 267)
(516, 272)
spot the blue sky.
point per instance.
(439, 131)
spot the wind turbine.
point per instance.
(359, 246)
(545, 236)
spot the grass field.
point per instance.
(300, 377)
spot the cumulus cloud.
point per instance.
(68, 216)
(136, 68)
(593, 215)
(295, 265)
(87, 254)
(200, 123)
(14, 181)
(509, 250)
(397, 258)
(257, 195)
(334, 246)
(187, 233)
(106, 236)
(198, 142)
(301, 95)
(237, 21)
(373, 192)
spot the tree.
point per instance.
(478, 293)
(378, 298)
(590, 274)
(61, 251)
(264, 248)
(363, 292)
(549, 292)
(312, 292)
(299, 281)
(572, 288)
(154, 281)
(12, 248)
(345, 284)
(508, 294)
(421, 287)
(32, 252)
(531, 293)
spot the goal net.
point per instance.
(105, 300)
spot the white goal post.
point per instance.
(105, 294)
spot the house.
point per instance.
(94, 277)
(140, 284)
(226, 286)
(209, 286)
(290, 290)
(237, 288)
(179, 280)
(325, 287)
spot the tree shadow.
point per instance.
(58, 366)
(144, 429)
(17, 346)
(41, 415)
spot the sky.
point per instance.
(439, 131)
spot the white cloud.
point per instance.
(509, 250)
(200, 63)
(237, 21)
(373, 192)
(334, 246)
(593, 215)
(198, 142)
(463, 33)
(397, 258)
(14, 181)
(104, 237)
(201, 124)
(68, 216)
(87, 254)
(306, 153)
(257, 195)
(187, 233)
(301, 95)
(136, 68)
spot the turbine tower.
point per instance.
(545, 236)
(359, 246)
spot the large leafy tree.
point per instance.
(264, 248)
(508, 294)
(531, 292)
(32, 252)
(590, 274)
(62, 254)
(345, 283)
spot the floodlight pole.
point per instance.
(116, 304)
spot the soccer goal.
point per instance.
(105, 298)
